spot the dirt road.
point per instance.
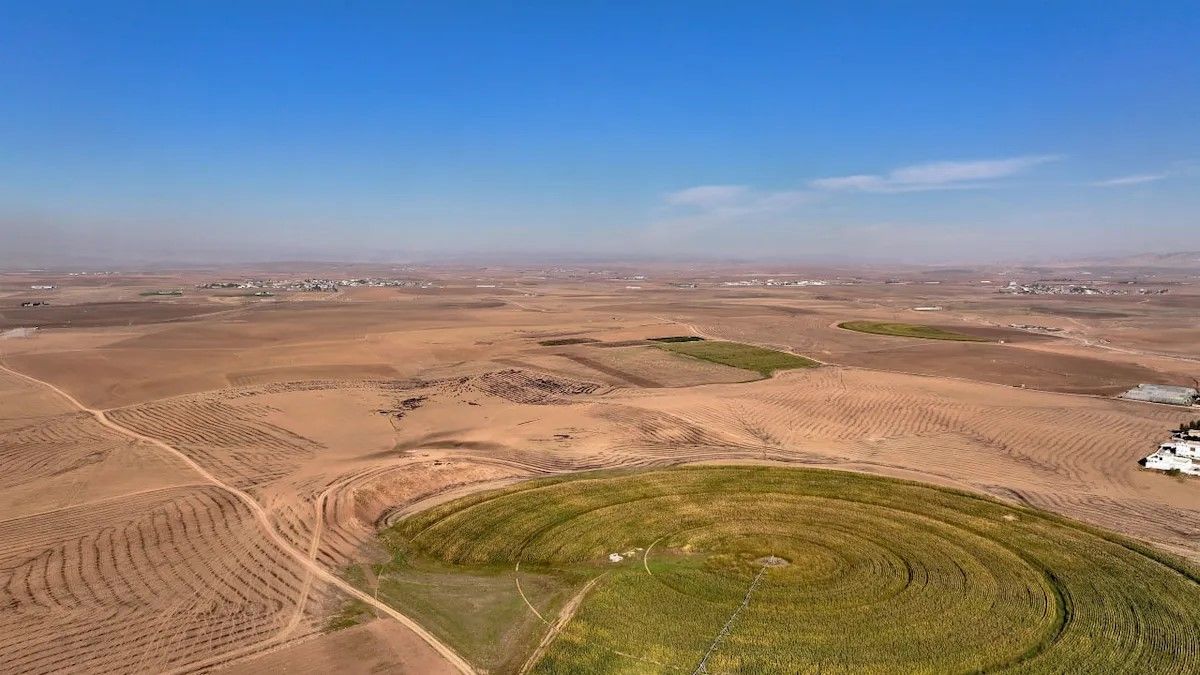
(260, 515)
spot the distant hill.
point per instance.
(1176, 260)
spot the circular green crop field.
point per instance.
(756, 570)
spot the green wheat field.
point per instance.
(755, 570)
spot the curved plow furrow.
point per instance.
(147, 583)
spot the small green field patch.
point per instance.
(557, 342)
(909, 330)
(477, 608)
(748, 357)
(174, 292)
(352, 613)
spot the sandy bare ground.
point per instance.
(181, 489)
(368, 649)
(306, 560)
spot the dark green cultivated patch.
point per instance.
(909, 330)
(748, 357)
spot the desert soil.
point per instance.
(212, 464)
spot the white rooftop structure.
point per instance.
(1181, 453)
(1161, 393)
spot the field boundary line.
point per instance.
(517, 578)
(101, 500)
(567, 613)
(702, 667)
(646, 555)
(260, 515)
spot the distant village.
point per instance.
(315, 285)
(777, 282)
(1040, 288)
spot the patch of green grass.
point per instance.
(352, 613)
(748, 357)
(678, 338)
(476, 608)
(154, 293)
(909, 330)
(883, 576)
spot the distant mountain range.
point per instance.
(1177, 260)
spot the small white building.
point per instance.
(1181, 453)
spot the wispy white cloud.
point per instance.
(733, 200)
(707, 196)
(934, 175)
(712, 207)
(1135, 179)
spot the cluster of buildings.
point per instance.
(303, 285)
(315, 285)
(1034, 327)
(1038, 288)
(385, 283)
(777, 282)
(306, 285)
(1179, 455)
(224, 285)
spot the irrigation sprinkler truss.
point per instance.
(702, 667)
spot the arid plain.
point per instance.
(195, 481)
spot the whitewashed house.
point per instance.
(1181, 453)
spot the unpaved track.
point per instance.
(517, 578)
(314, 569)
(313, 546)
(568, 611)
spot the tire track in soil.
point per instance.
(260, 515)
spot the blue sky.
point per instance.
(925, 131)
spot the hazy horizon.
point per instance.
(139, 133)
